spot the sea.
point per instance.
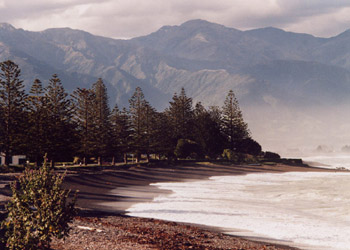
(309, 210)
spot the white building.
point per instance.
(15, 160)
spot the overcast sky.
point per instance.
(131, 18)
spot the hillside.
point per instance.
(276, 72)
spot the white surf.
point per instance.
(308, 210)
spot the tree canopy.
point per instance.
(49, 120)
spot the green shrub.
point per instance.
(239, 157)
(271, 155)
(250, 159)
(229, 155)
(187, 148)
(249, 146)
(38, 211)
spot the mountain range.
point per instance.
(285, 82)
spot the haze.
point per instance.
(282, 128)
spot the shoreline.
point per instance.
(105, 195)
(136, 188)
(116, 189)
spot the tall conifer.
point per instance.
(120, 133)
(137, 108)
(12, 106)
(84, 103)
(150, 129)
(61, 130)
(207, 131)
(38, 123)
(102, 113)
(233, 124)
(180, 114)
(162, 139)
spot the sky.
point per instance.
(132, 18)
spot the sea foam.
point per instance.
(309, 210)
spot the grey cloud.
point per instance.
(295, 13)
(16, 9)
(130, 18)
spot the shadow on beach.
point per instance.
(113, 190)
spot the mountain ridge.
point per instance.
(268, 68)
(196, 47)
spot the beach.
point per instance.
(105, 195)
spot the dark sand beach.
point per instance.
(105, 194)
(116, 189)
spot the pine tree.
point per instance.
(12, 106)
(207, 131)
(137, 108)
(38, 123)
(233, 125)
(84, 102)
(102, 113)
(61, 129)
(150, 129)
(180, 114)
(162, 140)
(120, 133)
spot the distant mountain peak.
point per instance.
(165, 28)
(272, 29)
(7, 26)
(344, 34)
(199, 23)
(66, 30)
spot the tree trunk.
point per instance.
(125, 158)
(138, 157)
(113, 161)
(7, 159)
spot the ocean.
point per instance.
(308, 210)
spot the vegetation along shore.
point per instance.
(110, 157)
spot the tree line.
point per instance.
(48, 120)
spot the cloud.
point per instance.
(321, 18)
(324, 25)
(130, 18)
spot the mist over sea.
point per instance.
(331, 160)
(310, 210)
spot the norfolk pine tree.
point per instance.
(233, 125)
(161, 140)
(207, 131)
(12, 106)
(150, 129)
(102, 113)
(84, 102)
(61, 129)
(137, 108)
(38, 123)
(120, 133)
(180, 114)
